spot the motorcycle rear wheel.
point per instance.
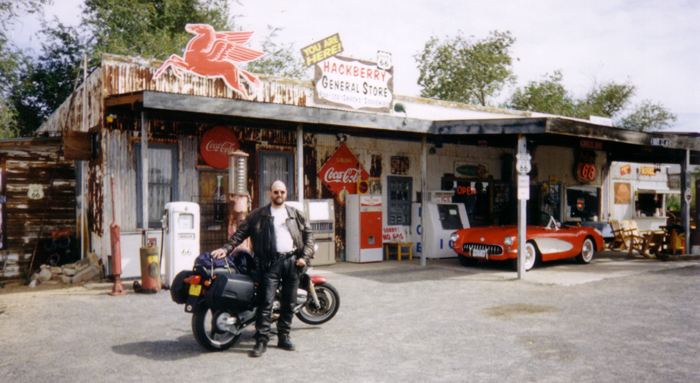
(329, 299)
(208, 334)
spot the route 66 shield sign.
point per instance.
(36, 191)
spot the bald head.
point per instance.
(278, 193)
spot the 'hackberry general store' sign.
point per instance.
(346, 82)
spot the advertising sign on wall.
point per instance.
(321, 50)
(217, 143)
(346, 82)
(341, 173)
(212, 54)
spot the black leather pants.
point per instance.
(285, 271)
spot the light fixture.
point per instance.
(400, 108)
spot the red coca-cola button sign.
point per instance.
(217, 143)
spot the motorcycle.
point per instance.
(223, 300)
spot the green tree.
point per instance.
(149, 28)
(466, 71)
(13, 62)
(648, 117)
(546, 96)
(281, 59)
(146, 28)
(606, 100)
(50, 80)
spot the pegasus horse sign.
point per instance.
(215, 54)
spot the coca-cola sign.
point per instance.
(341, 173)
(217, 143)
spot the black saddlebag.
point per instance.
(230, 291)
(179, 290)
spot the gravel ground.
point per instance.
(615, 320)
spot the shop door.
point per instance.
(275, 166)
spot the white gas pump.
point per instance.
(440, 218)
(181, 238)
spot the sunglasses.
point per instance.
(279, 192)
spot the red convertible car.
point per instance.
(545, 242)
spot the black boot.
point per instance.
(285, 343)
(259, 349)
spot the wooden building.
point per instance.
(37, 205)
(147, 134)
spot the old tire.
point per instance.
(587, 252)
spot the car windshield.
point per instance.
(533, 219)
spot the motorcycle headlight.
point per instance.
(454, 237)
(508, 240)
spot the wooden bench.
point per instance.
(396, 248)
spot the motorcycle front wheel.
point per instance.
(209, 329)
(329, 303)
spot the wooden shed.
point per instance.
(37, 205)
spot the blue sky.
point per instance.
(654, 45)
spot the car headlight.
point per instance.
(454, 237)
(508, 240)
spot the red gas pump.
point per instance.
(117, 289)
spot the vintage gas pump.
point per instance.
(181, 238)
(238, 192)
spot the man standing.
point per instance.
(282, 242)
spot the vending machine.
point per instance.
(363, 228)
(180, 239)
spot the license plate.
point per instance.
(195, 290)
(479, 253)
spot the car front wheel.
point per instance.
(530, 256)
(587, 251)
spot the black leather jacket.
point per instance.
(258, 225)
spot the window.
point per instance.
(162, 182)
(582, 203)
(400, 198)
(276, 166)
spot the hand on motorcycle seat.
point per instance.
(218, 253)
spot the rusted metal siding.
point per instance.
(69, 116)
(123, 75)
(28, 162)
(188, 148)
(120, 163)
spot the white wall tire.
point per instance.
(587, 252)
(530, 256)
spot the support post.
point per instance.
(523, 167)
(144, 169)
(300, 163)
(424, 195)
(685, 201)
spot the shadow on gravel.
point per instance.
(166, 350)
(687, 271)
(407, 275)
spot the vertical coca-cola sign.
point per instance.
(341, 173)
(217, 143)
